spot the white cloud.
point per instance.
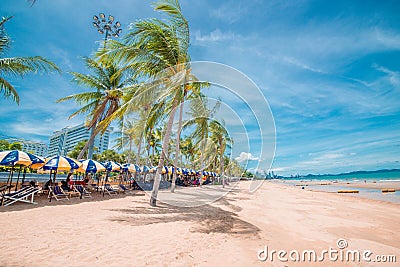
(245, 157)
(214, 36)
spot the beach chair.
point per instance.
(25, 195)
(110, 190)
(124, 189)
(82, 191)
(57, 192)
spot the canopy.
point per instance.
(145, 169)
(112, 166)
(13, 157)
(131, 167)
(60, 163)
(90, 165)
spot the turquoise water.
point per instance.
(371, 193)
(379, 176)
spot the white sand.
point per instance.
(128, 232)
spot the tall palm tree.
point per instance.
(159, 50)
(220, 137)
(109, 85)
(128, 134)
(201, 116)
(18, 66)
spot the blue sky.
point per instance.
(330, 71)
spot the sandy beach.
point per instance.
(126, 231)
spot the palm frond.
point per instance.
(8, 90)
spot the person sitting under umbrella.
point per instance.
(65, 186)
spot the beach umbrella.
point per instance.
(16, 157)
(91, 166)
(112, 166)
(145, 169)
(170, 170)
(60, 163)
(131, 167)
(164, 170)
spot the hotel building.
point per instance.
(65, 140)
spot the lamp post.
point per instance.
(107, 27)
(110, 29)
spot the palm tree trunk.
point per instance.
(130, 150)
(222, 165)
(164, 152)
(88, 143)
(138, 153)
(178, 139)
(203, 144)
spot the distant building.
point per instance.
(66, 139)
(37, 148)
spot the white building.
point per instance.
(37, 148)
(66, 139)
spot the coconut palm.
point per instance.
(109, 85)
(220, 138)
(18, 66)
(159, 50)
(128, 135)
(201, 116)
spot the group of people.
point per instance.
(187, 181)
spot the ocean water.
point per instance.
(371, 193)
(379, 176)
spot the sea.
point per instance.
(348, 179)
(390, 175)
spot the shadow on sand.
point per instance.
(206, 218)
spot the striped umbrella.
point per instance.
(92, 166)
(60, 163)
(145, 169)
(16, 157)
(164, 170)
(112, 166)
(131, 167)
(170, 169)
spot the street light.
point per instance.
(107, 27)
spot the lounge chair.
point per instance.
(57, 192)
(25, 195)
(82, 191)
(110, 190)
(124, 189)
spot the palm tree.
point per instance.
(220, 137)
(201, 116)
(109, 85)
(18, 66)
(159, 50)
(128, 135)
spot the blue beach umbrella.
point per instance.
(91, 166)
(61, 163)
(112, 166)
(145, 169)
(131, 167)
(16, 157)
